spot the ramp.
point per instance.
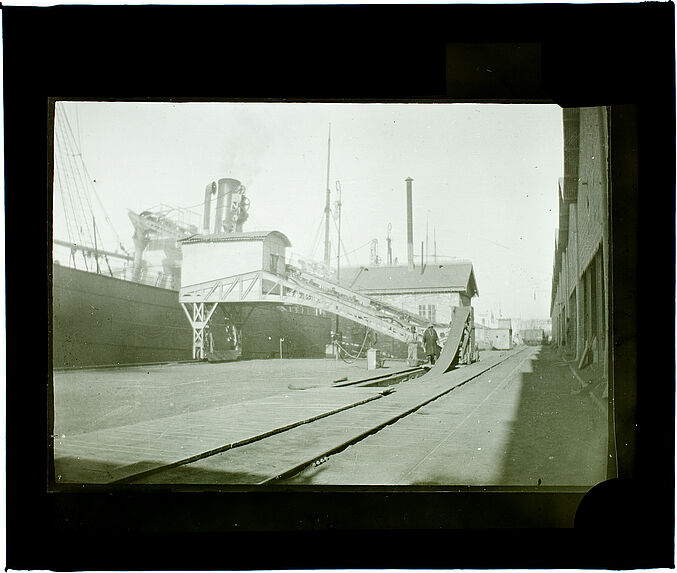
(457, 340)
(373, 306)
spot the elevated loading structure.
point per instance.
(250, 268)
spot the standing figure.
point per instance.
(412, 347)
(430, 343)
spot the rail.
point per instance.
(438, 391)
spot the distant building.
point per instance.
(579, 300)
(544, 324)
(431, 291)
(503, 334)
(533, 331)
(486, 318)
(483, 337)
(532, 336)
(493, 338)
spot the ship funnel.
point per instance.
(230, 206)
(209, 191)
(410, 227)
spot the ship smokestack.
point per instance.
(218, 219)
(209, 191)
(231, 210)
(224, 200)
(410, 228)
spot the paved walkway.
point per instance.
(117, 453)
(95, 399)
(264, 460)
(521, 423)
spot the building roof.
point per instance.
(382, 279)
(244, 236)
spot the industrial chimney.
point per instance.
(410, 227)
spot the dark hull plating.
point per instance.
(100, 320)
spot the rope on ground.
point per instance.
(346, 351)
(366, 334)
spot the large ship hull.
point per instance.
(101, 320)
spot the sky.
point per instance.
(484, 178)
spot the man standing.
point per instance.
(412, 347)
(430, 343)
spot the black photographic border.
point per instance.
(617, 55)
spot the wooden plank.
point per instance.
(172, 439)
(266, 460)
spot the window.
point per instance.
(428, 311)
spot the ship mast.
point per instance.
(327, 209)
(426, 237)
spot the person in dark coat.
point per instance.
(430, 343)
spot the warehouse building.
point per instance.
(432, 290)
(579, 297)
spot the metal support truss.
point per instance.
(299, 288)
(199, 318)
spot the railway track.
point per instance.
(279, 454)
(385, 379)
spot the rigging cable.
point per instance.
(58, 169)
(75, 175)
(64, 163)
(86, 181)
(345, 253)
(357, 249)
(316, 239)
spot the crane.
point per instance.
(157, 229)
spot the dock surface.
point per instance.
(515, 417)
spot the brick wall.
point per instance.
(591, 186)
(586, 236)
(572, 250)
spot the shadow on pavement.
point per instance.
(70, 470)
(559, 434)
